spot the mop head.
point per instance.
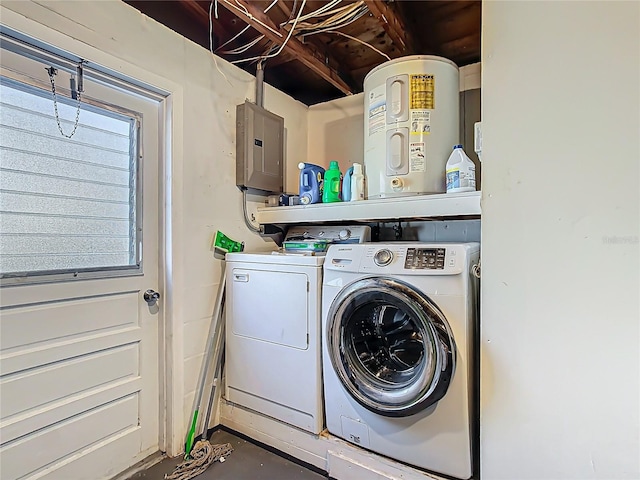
(202, 456)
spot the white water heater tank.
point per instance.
(411, 124)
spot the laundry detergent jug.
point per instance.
(310, 183)
(346, 185)
(461, 172)
(332, 187)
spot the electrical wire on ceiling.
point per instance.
(336, 13)
(316, 13)
(244, 48)
(215, 60)
(241, 8)
(286, 40)
(293, 9)
(339, 20)
(245, 28)
(301, 27)
(274, 45)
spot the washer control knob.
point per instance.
(383, 257)
(344, 234)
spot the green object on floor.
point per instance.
(202, 456)
(191, 435)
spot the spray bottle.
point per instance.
(310, 183)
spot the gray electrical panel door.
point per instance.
(259, 149)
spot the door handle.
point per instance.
(151, 297)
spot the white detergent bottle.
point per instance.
(357, 183)
(461, 172)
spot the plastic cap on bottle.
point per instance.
(333, 165)
(357, 168)
(301, 165)
(457, 146)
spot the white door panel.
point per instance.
(21, 425)
(26, 358)
(52, 444)
(23, 327)
(79, 378)
(100, 457)
(106, 366)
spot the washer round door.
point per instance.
(390, 346)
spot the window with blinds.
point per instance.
(66, 204)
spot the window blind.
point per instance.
(65, 204)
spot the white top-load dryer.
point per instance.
(398, 351)
(273, 307)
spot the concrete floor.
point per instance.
(248, 461)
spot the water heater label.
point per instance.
(422, 92)
(420, 122)
(377, 109)
(417, 157)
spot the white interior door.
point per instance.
(79, 355)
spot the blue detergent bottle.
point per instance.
(346, 185)
(310, 183)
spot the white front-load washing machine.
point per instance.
(398, 351)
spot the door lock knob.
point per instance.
(151, 297)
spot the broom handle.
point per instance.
(217, 374)
(215, 325)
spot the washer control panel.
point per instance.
(425, 259)
(402, 258)
(383, 257)
(333, 234)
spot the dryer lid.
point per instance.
(390, 346)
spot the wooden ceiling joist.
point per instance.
(284, 57)
(254, 16)
(282, 5)
(392, 25)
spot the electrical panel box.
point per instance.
(259, 149)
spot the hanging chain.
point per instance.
(52, 71)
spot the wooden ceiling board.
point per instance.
(394, 24)
(462, 49)
(353, 54)
(464, 22)
(439, 9)
(324, 66)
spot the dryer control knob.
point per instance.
(344, 234)
(383, 257)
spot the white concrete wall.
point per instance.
(560, 226)
(337, 132)
(205, 196)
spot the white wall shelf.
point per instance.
(402, 208)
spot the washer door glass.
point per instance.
(390, 346)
